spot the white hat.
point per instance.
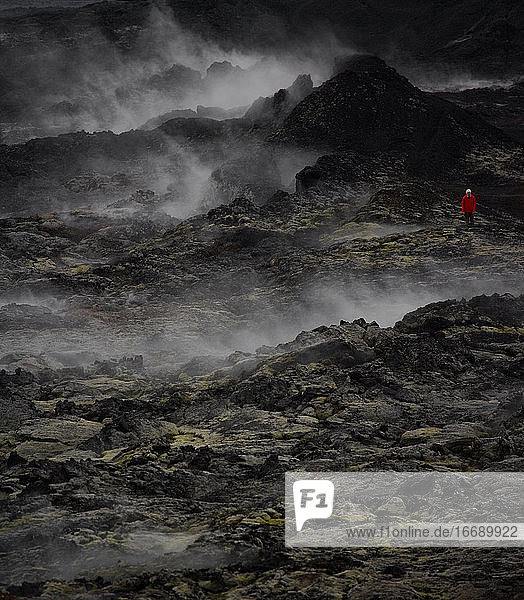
(468, 191)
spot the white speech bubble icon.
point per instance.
(313, 500)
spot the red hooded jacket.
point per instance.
(469, 204)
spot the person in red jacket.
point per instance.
(469, 206)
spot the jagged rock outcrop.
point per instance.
(370, 109)
(223, 70)
(307, 178)
(175, 79)
(275, 109)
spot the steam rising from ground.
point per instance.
(98, 86)
(386, 304)
(169, 342)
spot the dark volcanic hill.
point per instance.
(370, 109)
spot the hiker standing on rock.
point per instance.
(469, 206)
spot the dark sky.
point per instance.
(29, 5)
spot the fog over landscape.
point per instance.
(235, 242)
(97, 86)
